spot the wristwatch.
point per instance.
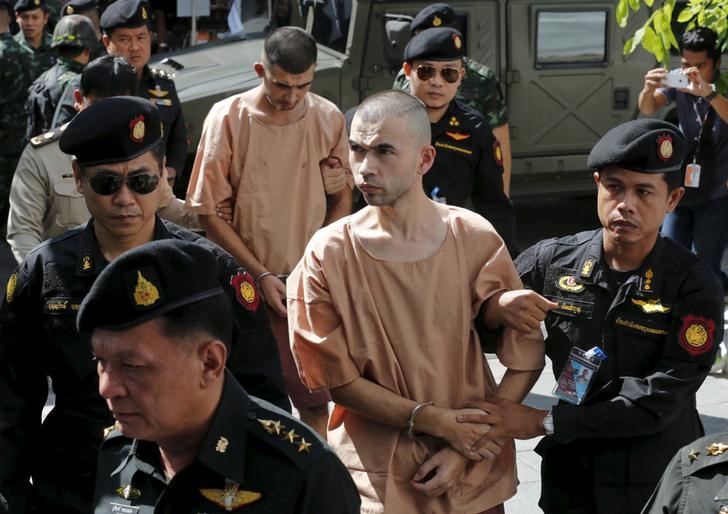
(709, 98)
(548, 423)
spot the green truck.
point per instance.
(560, 64)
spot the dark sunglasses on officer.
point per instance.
(109, 183)
(426, 72)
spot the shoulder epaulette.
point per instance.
(160, 74)
(705, 452)
(284, 432)
(47, 137)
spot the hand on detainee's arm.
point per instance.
(333, 175)
(522, 310)
(439, 473)
(506, 419)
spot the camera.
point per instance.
(676, 78)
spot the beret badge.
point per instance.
(664, 147)
(457, 40)
(137, 129)
(436, 21)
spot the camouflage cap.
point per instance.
(147, 282)
(29, 5)
(440, 44)
(128, 14)
(78, 6)
(74, 30)
(116, 129)
(644, 145)
(432, 16)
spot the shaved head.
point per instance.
(397, 104)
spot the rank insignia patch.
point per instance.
(587, 268)
(693, 455)
(497, 153)
(457, 136)
(86, 263)
(454, 122)
(137, 129)
(158, 92)
(10, 288)
(716, 449)
(128, 492)
(664, 147)
(569, 284)
(245, 291)
(222, 445)
(230, 498)
(696, 334)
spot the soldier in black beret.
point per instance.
(650, 305)
(126, 33)
(33, 18)
(118, 157)
(160, 330)
(468, 169)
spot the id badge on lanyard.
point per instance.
(578, 375)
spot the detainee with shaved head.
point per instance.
(382, 310)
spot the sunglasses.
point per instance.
(109, 183)
(424, 72)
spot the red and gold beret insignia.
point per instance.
(137, 129)
(69, 9)
(497, 153)
(245, 291)
(696, 334)
(457, 40)
(664, 147)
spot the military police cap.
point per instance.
(147, 282)
(29, 5)
(74, 30)
(440, 44)
(432, 16)
(644, 145)
(78, 6)
(128, 14)
(116, 129)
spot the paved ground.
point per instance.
(712, 405)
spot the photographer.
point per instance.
(700, 222)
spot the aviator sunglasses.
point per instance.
(109, 183)
(424, 72)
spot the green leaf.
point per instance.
(634, 5)
(629, 46)
(649, 3)
(658, 21)
(651, 42)
(685, 15)
(622, 13)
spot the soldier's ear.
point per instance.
(259, 69)
(407, 68)
(77, 177)
(106, 40)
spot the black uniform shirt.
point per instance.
(266, 460)
(659, 329)
(38, 338)
(468, 169)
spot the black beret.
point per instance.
(147, 282)
(78, 6)
(128, 14)
(441, 44)
(644, 145)
(432, 16)
(76, 31)
(8, 5)
(116, 129)
(29, 5)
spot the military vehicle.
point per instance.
(560, 64)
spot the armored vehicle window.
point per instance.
(567, 39)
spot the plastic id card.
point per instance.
(692, 175)
(577, 376)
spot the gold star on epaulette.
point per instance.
(716, 449)
(267, 425)
(290, 436)
(304, 446)
(693, 455)
(277, 427)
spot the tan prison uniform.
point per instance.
(44, 201)
(407, 327)
(272, 172)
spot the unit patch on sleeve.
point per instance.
(696, 334)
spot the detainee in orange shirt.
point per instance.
(382, 311)
(280, 152)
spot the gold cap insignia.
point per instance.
(569, 284)
(10, 288)
(145, 293)
(128, 492)
(696, 334)
(144, 13)
(716, 449)
(137, 129)
(457, 41)
(230, 499)
(222, 445)
(664, 147)
(69, 9)
(436, 21)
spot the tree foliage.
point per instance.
(657, 35)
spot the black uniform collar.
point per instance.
(591, 262)
(90, 261)
(222, 450)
